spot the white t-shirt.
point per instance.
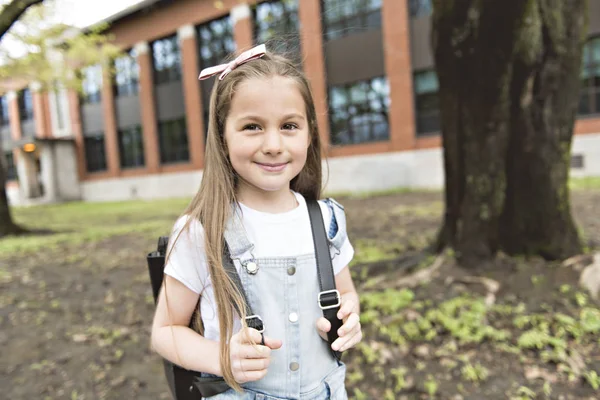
(273, 235)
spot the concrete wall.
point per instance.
(589, 147)
(67, 179)
(181, 184)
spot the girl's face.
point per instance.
(267, 133)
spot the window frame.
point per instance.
(4, 111)
(93, 96)
(342, 115)
(97, 164)
(130, 85)
(284, 27)
(173, 129)
(135, 160)
(589, 89)
(346, 25)
(426, 95)
(11, 168)
(419, 8)
(172, 72)
(25, 101)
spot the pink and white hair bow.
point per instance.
(224, 69)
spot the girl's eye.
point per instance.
(251, 127)
(289, 127)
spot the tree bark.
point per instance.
(508, 78)
(8, 16)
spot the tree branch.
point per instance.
(12, 12)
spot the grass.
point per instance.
(79, 223)
(587, 183)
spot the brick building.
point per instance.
(141, 134)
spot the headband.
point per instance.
(225, 69)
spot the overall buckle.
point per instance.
(255, 322)
(326, 301)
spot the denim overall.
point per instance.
(283, 292)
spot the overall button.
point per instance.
(294, 366)
(291, 270)
(293, 317)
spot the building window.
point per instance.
(427, 102)
(215, 41)
(419, 8)
(11, 168)
(359, 111)
(5, 117)
(173, 140)
(167, 60)
(131, 147)
(95, 154)
(58, 107)
(91, 84)
(277, 22)
(25, 105)
(345, 17)
(589, 100)
(127, 74)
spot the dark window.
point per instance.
(427, 102)
(419, 8)
(11, 169)
(4, 109)
(167, 60)
(131, 147)
(589, 100)
(359, 111)
(173, 140)
(127, 74)
(25, 105)
(277, 22)
(345, 17)
(95, 155)
(91, 84)
(215, 43)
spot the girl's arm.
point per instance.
(345, 285)
(173, 339)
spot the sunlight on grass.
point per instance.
(587, 183)
(79, 223)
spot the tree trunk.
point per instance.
(8, 16)
(7, 225)
(508, 74)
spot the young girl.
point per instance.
(263, 161)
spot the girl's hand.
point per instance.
(350, 333)
(250, 362)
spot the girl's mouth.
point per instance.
(272, 167)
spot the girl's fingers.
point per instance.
(346, 309)
(251, 376)
(353, 341)
(347, 333)
(250, 351)
(350, 324)
(254, 364)
(323, 325)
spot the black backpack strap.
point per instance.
(329, 298)
(186, 384)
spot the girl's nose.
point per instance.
(272, 142)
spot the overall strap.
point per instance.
(329, 298)
(208, 386)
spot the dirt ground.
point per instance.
(75, 313)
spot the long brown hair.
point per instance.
(212, 205)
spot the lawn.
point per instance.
(76, 307)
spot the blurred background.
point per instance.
(462, 137)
